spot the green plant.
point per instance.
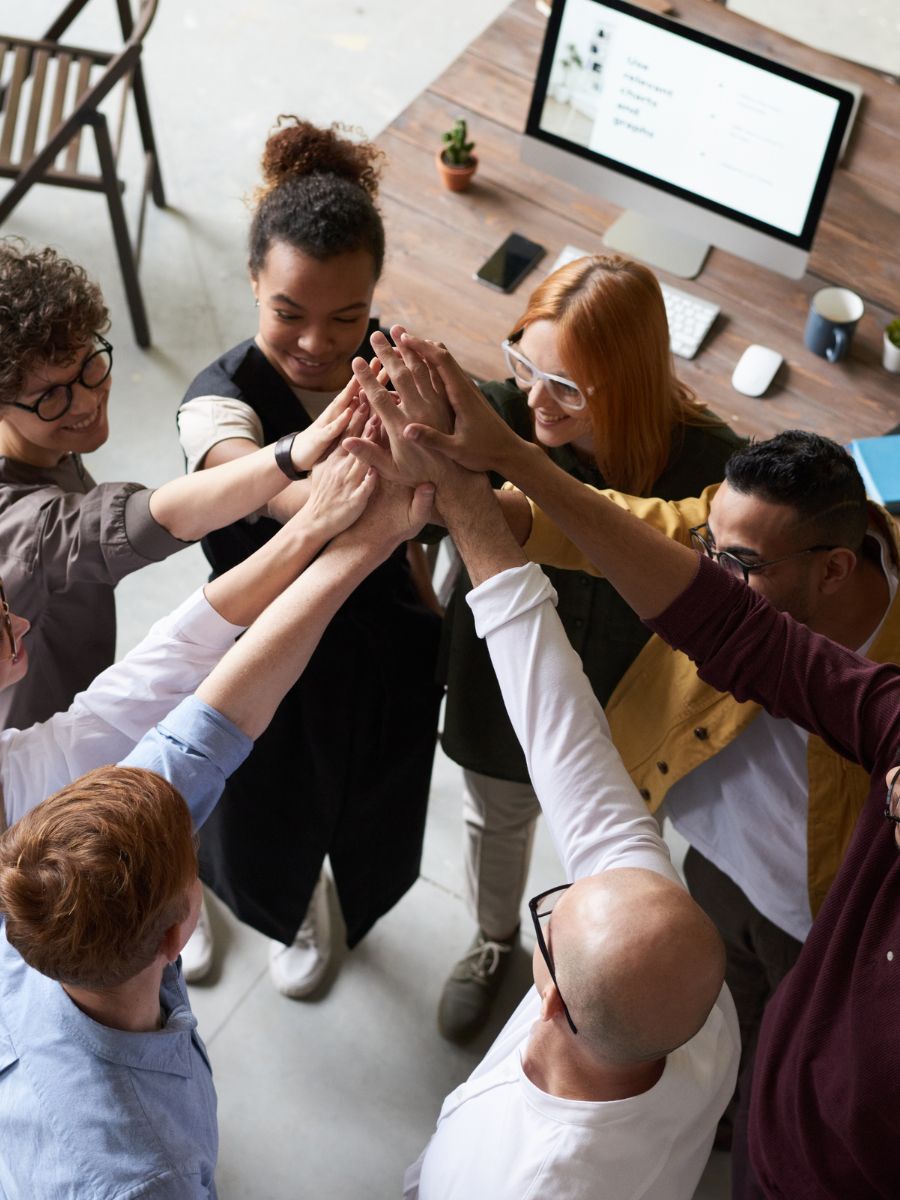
(572, 59)
(892, 329)
(457, 151)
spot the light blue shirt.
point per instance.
(94, 1113)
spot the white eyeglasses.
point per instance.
(563, 390)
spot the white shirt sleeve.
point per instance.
(594, 812)
(105, 721)
(207, 420)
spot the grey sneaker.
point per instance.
(474, 982)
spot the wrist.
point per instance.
(519, 462)
(285, 457)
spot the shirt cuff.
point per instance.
(508, 595)
(208, 732)
(196, 622)
(145, 534)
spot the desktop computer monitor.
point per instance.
(706, 142)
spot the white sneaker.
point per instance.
(298, 969)
(197, 955)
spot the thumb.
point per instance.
(430, 439)
(370, 453)
(421, 505)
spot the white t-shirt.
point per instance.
(745, 809)
(498, 1135)
(207, 420)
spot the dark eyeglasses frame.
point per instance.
(105, 348)
(705, 547)
(533, 906)
(8, 627)
(893, 800)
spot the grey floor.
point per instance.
(333, 1096)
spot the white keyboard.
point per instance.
(690, 318)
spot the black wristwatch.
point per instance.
(283, 458)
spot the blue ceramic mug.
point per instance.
(833, 315)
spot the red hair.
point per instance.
(613, 340)
(93, 877)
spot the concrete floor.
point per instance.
(334, 1096)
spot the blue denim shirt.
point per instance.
(97, 1113)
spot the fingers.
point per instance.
(381, 400)
(358, 420)
(373, 455)
(409, 375)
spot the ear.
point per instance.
(172, 942)
(254, 287)
(551, 1005)
(838, 566)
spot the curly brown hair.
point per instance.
(93, 877)
(296, 147)
(318, 194)
(49, 310)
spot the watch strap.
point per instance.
(283, 448)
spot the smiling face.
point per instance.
(313, 313)
(553, 425)
(85, 427)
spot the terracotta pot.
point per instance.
(456, 179)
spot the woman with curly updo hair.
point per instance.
(345, 767)
(66, 541)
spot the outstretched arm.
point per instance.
(192, 505)
(250, 682)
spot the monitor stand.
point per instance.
(643, 238)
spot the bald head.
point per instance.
(638, 961)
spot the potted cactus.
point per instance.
(891, 353)
(455, 160)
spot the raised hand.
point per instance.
(481, 440)
(341, 486)
(312, 443)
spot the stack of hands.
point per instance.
(396, 459)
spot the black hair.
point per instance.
(813, 475)
(318, 195)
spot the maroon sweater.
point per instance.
(825, 1112)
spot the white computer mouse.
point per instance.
(755, 370)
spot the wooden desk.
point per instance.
(437, 240)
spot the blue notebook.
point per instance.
(878, 460)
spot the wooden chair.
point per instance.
(51, 92)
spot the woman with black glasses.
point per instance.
(67, 541)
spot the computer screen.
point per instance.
(699, 133)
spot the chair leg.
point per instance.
(141, 104)
(120, 233)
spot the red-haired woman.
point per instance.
(591, 380)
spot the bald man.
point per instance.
(610, 1077)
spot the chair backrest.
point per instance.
(41, 73)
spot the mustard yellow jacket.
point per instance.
(665, 720)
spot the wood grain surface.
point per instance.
(437, 240)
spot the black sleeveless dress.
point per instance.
(345, 766)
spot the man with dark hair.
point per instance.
(767, 810)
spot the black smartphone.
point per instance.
(510, 263)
